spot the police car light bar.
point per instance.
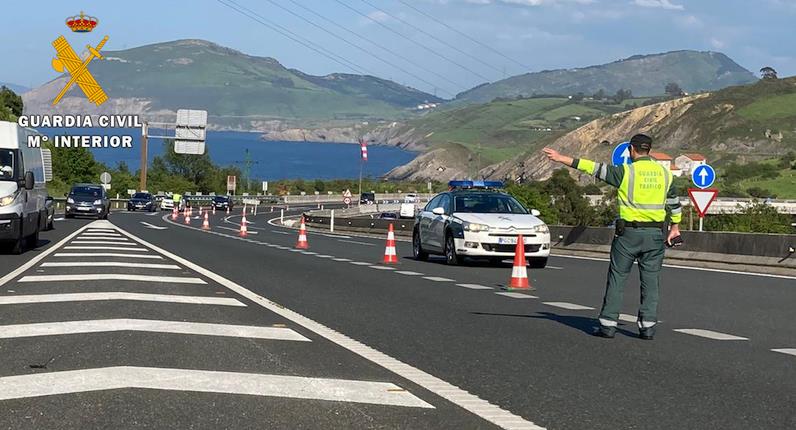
(475, 184)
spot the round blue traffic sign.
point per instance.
(621, 154)
(703, 176)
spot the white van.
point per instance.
(23, 174)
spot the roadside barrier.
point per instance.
(390, 256)
(519, 273)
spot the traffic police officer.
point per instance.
(646, 200)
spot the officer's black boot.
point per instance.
(605, 331)
(646, 333)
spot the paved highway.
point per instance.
(205, 329)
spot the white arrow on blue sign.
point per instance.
(703, 176)
(621, 154)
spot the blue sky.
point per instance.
(539, 34)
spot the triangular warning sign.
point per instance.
(701, 199)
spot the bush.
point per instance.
(760, 193)
(756, 218)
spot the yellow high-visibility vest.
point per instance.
(642, 194)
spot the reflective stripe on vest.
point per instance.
(642, 194)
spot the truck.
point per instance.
(24, 171)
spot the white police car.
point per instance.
(474, 219)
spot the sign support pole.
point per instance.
(142, 179)
(700, 223)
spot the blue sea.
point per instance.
(271, 160)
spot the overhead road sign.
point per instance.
(703, 176)
(190, 131)
(621, 154)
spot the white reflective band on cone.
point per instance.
(519, 272)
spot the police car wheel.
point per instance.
(450, 251)
(417, 248)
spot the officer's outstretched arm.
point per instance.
(612, 175)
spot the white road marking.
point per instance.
(408, 272)
(323, 256)
(360, 263)
(570, 306)
(438, 279)
(235, 229)
(105, 254)
(111, 264)
(279, 232)
(108, 248)
(154, 227)
(111, 277)
(474, 286)
(355, 242)
(309, 253)
(789, 351)
(554, 267)
(382, 267)
(336, 236)
(709, 334)
(110, 238)
(456, 395)
(58, 219)
(102, 242)
(94, 229)
(345, 260)
(102, 234)
(154, 326)
(297, 387)
(140, 297)
(514, 295)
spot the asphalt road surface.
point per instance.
(141, 322)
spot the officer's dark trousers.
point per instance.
(644, 245)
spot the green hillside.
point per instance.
(226, 82)
(646, 75)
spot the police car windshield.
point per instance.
(487, 203)
(6, 164)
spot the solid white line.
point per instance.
(514, 295)
(789, 351)
(438, 279)
(140, 297)
(677, 266)
(235, 229)
(102, 242)
(408, 272)
(336, 236)
(309, 253)
(570, 306)
(111, 264)
(155, 227)
(108, 248)
(554, 267)
(323, 256)
(360, 263)
(709, 334)
(105, 254)
(382, 267)
(35, 260)
(345, 260)
(358, 243)
(205, 381)
(111, 277)
(154, 326)
(474, 286)
(481, 408)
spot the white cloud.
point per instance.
(378, 15)
(717, 43)
(662, 4)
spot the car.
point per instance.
(142, 201)
(367, 198)
(23, 190)
(89, 200)
(388, 215)
(476, 219)
(222, 202)
(167, 204)
(407, 210)
(411, 198)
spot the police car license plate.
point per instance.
(510, 240)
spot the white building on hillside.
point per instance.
(688, 162)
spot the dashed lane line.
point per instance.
(515, 295)
(408, 273)
(141, 297)
(309, 253)
(438, 279)
(105, 254)
(112, 277)
(382, 267)
(709, 334)
(280, 232)
(110, 264)
(472, 403)
(569, 306)
(153, 326)
(474, 286)
(342, 260)
(107, 248)
(205, 381)
(323, 256)
(789, 351)
(356, 242)
(360, 263)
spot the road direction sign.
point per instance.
(347, 200)
(190, 131)
(105, 178)
(701, 199)
(703, 176)
(621, 154)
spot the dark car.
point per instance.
(367, 198)
(142, 201)
(222, 202)
(88, 200)
(388, 215)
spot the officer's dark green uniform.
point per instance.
(646, 198)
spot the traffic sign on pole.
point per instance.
(701, 199)
(105, 178)
(621, 154)
(703, 176)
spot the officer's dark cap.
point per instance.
(641, 142)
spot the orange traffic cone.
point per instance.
(187, 217)
(174, 214)
(243, 221)
(302, 239)
(214, 210)
(243, 229)
(206, 223)
(519, 273)
(227, 210)
(390, 256)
